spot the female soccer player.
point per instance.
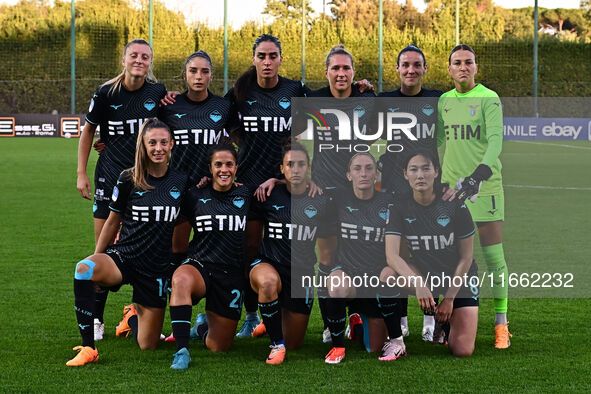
(198, 120)
(119, 106)
(294, 221)
(361, 217)
(214, 269)
(440, 236)
(471, 124)
(411, 66)
(146, 200)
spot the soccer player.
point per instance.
(471, 125)
(440, 236)
(263, 100)
(411, 66)
(198, 120)
(145, 204)
(294, 221)
(361, 218)
(214, 269)
(119, 106)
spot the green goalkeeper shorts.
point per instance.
(487, 208)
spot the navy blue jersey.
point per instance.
(148, 219)
(120, 115)
(432, 232)
(292, 225)
(265, 124)
(361, 230)
(196, 126)
(219, 224)
(330, 166)
(391, 163)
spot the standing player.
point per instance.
(198, 119)
(411, 66)
(471, 124)
(263, 100)
(119, 106)
(329, 167)
(440, 235)
(361, 217)
(294, 221)
(214, 269)
(144, 205)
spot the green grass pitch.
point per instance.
(46, 228)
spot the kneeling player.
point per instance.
(294, 221)
(440, 236)
(146, 200)
(362, 214)
(213, 270)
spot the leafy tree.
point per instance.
(287, 9)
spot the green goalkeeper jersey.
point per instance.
(471, 124)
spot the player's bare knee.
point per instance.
(182, 282)
(268, 285)
(462, 350)
(147, 345)
(218, 347)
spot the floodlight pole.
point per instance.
(225, 46)
(381, 46)
(303, 41)
(73, 57)
(151, 23)
(457, 22)
(535, 65)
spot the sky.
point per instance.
(239, 11)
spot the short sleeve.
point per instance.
(394, 220)
(327, 226)
(96, 108)
(464, 226)
(121, 192)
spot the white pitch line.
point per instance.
(551, 144)
(547, 187)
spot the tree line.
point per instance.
(35, 47)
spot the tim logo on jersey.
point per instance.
(293, 232)
(160, 213)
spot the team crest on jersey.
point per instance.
(383, 214)
(443, 220)
(310, 211)
(115, 193)
(175, 193)
(215, 116)
(251, 102)
(428, 110)
(473, 109)
(359, 110)
(149, 105)
(284, 102)
(238, 201)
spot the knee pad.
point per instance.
(85, 275)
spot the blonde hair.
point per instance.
(339, 50)
(119, 78)
(139, 171)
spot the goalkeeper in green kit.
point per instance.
(471, 125)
